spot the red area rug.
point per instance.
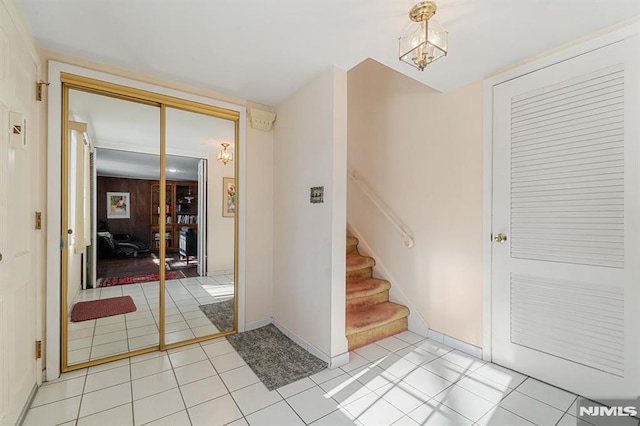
(83, 311)
(137, 279)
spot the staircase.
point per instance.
(370, 315)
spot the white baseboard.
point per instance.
(257, 324)
(455, 343)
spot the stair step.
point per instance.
(356, 262)
(374, 323)
(366, 292)
(352, 244)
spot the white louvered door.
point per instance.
(566, 193)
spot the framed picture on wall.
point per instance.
(118, 205)
(228, 197)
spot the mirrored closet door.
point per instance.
(149, 254)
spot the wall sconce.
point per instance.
(224, 155)
(428, 42)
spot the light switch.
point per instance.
(317, 194)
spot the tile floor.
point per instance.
(402, 380)
(94, 339)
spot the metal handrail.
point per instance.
(407, 238)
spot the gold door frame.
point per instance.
(86, 84)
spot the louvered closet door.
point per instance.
(566, 193)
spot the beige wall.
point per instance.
(421, 151)
(258, 187)
(310, 136)
(220, 229)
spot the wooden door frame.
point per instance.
(580, 47)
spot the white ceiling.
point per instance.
(128, 135)
(263, 50)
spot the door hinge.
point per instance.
(38, 220)
(39, 89)
(38, 349)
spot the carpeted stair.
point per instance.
(370, 315)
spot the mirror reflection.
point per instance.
(200, 231)
(115, 213)
(112, 281)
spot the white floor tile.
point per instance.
(105, 399)
(434, 347)
(142, 331)
(78, 356)
(203, 390)
(436, 414)
(84, 342)
(485, 388)
(531, 409)
(108, 366)
(372, 352)
(296, 387)
(181, 418)
(254, 398)
(405, 398)
(501, 375)
(548, 394)
(227, 362)
(150, 385)
(217, 348)
(416, 355)
(345, 389)
(373, 377)
(443, 368)
(219, 411)
(426, 382)
(69, 375)
(374, 410)
(312, 404)
(49, 393)
(157, 406)
(114, 348)
(54, 413)
(464, 402)
(110, 328)
(355, 361)
(81, 333)
(179, 336)
(468, 362)
(277, 414)
(142, 342)
(406, 421)
(149, 355)
(498, 416)
(239, 378)
(410, 337)
(121, 416)
(189, 356)
(326, 374)
(107, 378)
(149, 367)
(193, 372)
(395, 365)
(392, 343)
(336, 418)
(205, 330)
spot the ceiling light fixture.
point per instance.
(428, 42)
(224, 155)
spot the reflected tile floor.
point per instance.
(94, 339)
(402, 380)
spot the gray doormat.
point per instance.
(276, 359)
(220, 314)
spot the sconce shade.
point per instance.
(224, 155)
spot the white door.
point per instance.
(19, 193)
(566, 194)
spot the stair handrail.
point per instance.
(407, 238)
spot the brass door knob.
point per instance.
(500, 238)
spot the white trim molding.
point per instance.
(598, 41)
(333, 362)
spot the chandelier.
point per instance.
(428, 42)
